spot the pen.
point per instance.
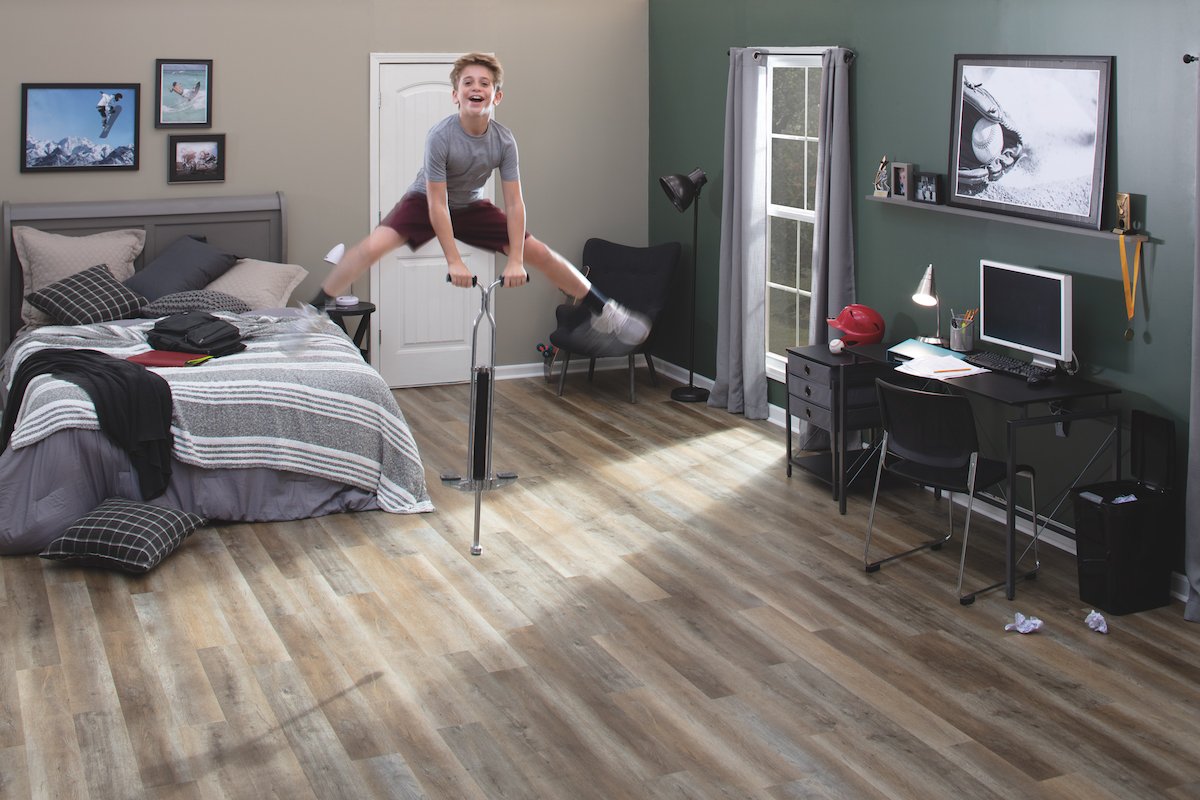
(955, 369)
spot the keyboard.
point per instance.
(1008, 365)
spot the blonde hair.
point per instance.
(482, 59)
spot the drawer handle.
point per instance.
(808, 412)
(808, 391)
(807, 369)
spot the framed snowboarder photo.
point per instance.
(196, 157)
(79, 126)
(183, 88)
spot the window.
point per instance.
(793, 92)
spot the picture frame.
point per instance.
(927, 188)
(196, 158)
(1029, 136)
(902, 178)
(183, 92)
(64, 126)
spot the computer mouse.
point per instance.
(836, 345)
(1037, 380)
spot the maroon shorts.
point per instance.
(480, 224)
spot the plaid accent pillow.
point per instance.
(123, 534)
(195, 300)
(92, 295)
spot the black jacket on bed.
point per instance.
(133, 406)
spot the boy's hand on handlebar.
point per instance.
(460, 276)
(514, 274)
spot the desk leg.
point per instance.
(1010, 543)
(787, 424)
(839, 441)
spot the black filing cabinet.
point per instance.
(835, 392)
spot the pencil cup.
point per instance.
(962, 340)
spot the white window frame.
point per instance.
(776, 365)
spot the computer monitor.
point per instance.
(1026, 309)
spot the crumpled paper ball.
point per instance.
(1023, 624)
(1095, 620)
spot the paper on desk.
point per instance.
(939, 367)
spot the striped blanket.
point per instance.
(294, 400)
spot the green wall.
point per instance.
(901, 90)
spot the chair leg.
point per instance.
(932, 544)
(562, 376)
(591, 369)
(967, 599)
(632, 385)
(650, 366)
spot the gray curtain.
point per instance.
(741, 380)
(833, 233)
(1192, 526)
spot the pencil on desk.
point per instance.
(955, 369)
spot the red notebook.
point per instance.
(168, 358)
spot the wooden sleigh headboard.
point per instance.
(252, 226)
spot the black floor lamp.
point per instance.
(683, 191)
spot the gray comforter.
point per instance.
(296, 402)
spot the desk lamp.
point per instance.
(926, 295)
(682, 191)
(335, 253)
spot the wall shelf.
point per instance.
(994, 217)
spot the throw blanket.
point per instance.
(294, 400)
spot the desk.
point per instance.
(1015, 393)
(363, 310)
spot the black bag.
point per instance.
(196, 332)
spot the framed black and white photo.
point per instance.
(197, 157)
(1028, 136)
(79, 126)
(183, 91)
(927, 188)
(902, 176)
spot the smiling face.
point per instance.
(476, 93)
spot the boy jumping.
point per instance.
(446, 201)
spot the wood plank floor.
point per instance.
(659, 612)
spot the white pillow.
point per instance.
(47, 258)
(260, 284)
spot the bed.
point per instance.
(296, 425)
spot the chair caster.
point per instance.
(966, 601)
(937, 546)
(873, 567)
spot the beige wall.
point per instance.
(290, 93)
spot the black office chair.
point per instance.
(637, 277)
(929, 438)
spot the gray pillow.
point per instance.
(92, 295)
(195, 300)
(186, 264)
(123, 534)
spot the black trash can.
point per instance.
(1124, 529)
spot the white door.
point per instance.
(423, 326)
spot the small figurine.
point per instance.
(882, 188)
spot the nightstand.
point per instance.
(363, 311)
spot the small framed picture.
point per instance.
(927, 188)
(902, 177)
(79, 126)
(184, 93)
(197, 157)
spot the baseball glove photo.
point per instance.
(988, 145)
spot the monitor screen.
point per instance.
(1026, 309)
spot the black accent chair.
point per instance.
(639, 278)
(929, 438)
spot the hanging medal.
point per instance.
(1130, 285)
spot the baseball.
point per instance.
(987, 140)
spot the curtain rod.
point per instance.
(796, 51)
(1188, 58)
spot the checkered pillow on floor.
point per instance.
(92, 295)
(123, 534)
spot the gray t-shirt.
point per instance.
(465, 162)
